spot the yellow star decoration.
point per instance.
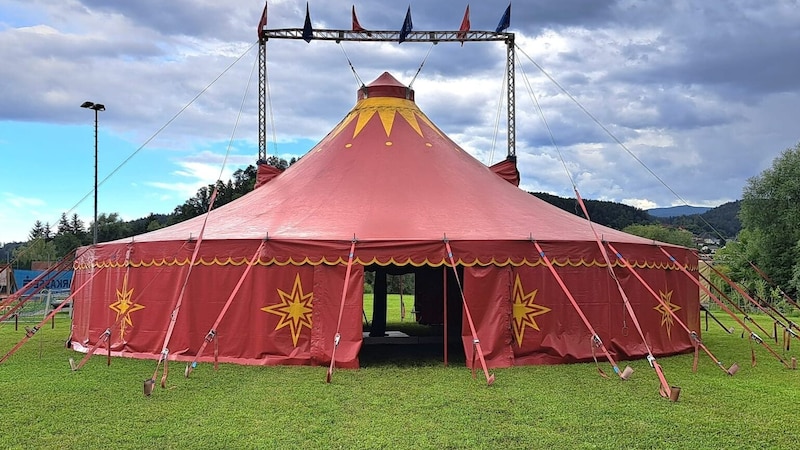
(666, 317)
(524, 310)
(124, 307)
(294, 309)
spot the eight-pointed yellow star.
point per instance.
(294, 309)
(525, 310)
(664, 309)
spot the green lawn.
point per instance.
(393, 405)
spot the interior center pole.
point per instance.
(444, 303)
(378, 328)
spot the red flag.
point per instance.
(464, 26)
(356, 26)
(263, 22)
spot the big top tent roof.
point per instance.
(387, 173)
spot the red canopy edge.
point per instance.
(281, 253)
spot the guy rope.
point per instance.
(753, 336)
(476, 343)
(596, 342)
(212, 333)
(694, 336)
(337, 336)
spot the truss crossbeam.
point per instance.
(386, 36)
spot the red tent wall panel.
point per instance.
(328, 284)
(304, 301)
(486, 290)
(509, 304)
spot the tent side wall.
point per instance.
(523, 316)
(280, 315)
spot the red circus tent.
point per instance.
(392, 185)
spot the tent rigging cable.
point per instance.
(337, 336)
(30, 332)
(787, 324)
(698, 343)
(269, 105)
(497, 117)
(359, 81)
(772, 283)
(611, 135)
(596, 343)
(163, 127)
(603, 251)
(411, 84)
(665, 388)
(212, 333)
(164, 357)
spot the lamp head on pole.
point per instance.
(94, 106)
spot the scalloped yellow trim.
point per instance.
(568, 262)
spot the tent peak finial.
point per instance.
(386, 86)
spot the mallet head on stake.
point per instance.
(149, 384)
(626, 373)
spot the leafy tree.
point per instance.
(38, 249)
(771, 213)
(110, 227)
(65, 243)
(662, 234)
(154, 225)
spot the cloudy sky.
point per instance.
(703, 93)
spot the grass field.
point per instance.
(393, 402)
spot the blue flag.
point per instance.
(505, 21)
(308, 32)
(407, 26)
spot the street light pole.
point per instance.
(97, 107)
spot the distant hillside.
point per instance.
(676, 211)
(610, 214)
(724, 219)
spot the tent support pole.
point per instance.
(379, 301)
(768, 280)
(444, 305)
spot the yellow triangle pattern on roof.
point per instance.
(387, 109)
(363, 119)
(387, 119)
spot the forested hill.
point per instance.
(610, 214)
(724, 218)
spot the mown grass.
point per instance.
(392, 403)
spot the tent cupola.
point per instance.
(386, 86)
